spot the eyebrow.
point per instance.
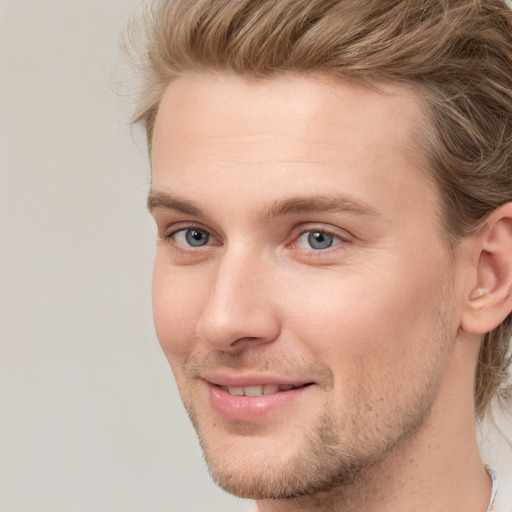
(337, 203)
(294, 205)
(168, 201)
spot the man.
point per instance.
(332, 188)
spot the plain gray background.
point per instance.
(89, 416)
(90, 420)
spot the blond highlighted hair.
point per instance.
(457, 54)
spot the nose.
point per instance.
(240, 310)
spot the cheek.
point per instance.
(378, 319)
(177, 303)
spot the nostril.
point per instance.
(248, 339)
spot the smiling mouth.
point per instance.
(267, 389)
(252, 399)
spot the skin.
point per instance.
(373, 322)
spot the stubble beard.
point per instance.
(333, 458)
(342, 451)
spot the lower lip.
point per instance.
(251, 408)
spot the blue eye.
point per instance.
(192, 237)
(320, 240)
(316, 240)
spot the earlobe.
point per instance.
(490, 299)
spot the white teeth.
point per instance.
(270, 389)
(236, 391)
(267, 389)
(253, 390)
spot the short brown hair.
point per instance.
(457, 54)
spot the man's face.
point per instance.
(299, 260)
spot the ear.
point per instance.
(490, 299)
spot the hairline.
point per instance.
(416, 140)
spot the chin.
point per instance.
(264, 462)
(258, 468)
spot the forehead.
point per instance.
(258, 141)
(303, 108)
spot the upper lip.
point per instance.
(243, 381)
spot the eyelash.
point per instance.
(169, 238)
(307, 252)
(330, 233)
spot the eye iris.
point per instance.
(320, 240)
(196, 237)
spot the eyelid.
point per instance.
(169, 233)
(339, 233)
(175, 227)
(344, 240)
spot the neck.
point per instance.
(436, 468)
